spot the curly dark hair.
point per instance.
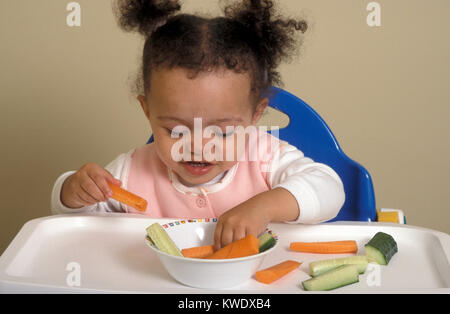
(250, 37)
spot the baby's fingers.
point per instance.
(239, 233)
(226, 236)
(101, 180)
(218, 236)
(110, 178)
(84, 198)
(223, 235)
(228, 230)
(89, 186)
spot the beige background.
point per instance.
(65, 97)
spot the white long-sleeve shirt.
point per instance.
(317, 188)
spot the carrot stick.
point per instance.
(335, 247)
(128, 198)
(240, 248)
(273, 273)
(198, 251)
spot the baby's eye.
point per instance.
(173, 133)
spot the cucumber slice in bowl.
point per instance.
(319, 267)
(266, 241)
(381, 248)
(335, 278)
(159, 237)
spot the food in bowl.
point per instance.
(204, 272)
(246, 246)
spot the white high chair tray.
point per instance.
(111, 257)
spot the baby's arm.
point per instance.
(316, 187)
(117, 168)
(302, 191)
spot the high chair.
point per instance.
(309, 133)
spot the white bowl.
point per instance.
(205, 273)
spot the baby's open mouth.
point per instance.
(199, 164)
(197, 168)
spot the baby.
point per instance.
(206, 84)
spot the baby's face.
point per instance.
(220, 99)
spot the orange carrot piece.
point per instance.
(273, 273)
(334, 247)
(240, 248)
(128, 198)
(198, 251)
(223, 253)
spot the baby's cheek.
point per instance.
(229, 149)
(238, 148)
(230, 154)
(164, 151)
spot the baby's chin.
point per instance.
(192, 182)
(189, 181)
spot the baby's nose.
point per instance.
(198, 147)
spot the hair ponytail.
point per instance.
(144, 16)
(274, 35)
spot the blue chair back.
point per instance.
(308, 132)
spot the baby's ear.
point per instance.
(260, 108)
(143, 102)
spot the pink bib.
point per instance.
(149, 178)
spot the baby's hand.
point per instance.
(239, 222)
(87, 186)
